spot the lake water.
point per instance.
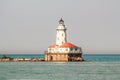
(97, 67)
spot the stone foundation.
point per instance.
(63, 57)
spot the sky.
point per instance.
(29, 26)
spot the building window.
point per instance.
(75, 49)
(66, 49)
(52, 49)
(61, 49)
(71, 49)
(49, 49)
(62, 34)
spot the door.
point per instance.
(51, 58)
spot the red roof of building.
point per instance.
(64, 45)
(68, 45)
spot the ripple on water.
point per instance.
(60, 71)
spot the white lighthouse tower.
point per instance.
(61, 33)
(63, 50)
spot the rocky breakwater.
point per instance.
(9, 59)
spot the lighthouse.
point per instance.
(61, 33)
(62, 50)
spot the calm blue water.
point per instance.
(97, 67)
(102, 57)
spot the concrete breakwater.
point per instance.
(21, 59)
(8, 59)
(31, 60)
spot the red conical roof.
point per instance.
(64, 45)
(68, 45)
